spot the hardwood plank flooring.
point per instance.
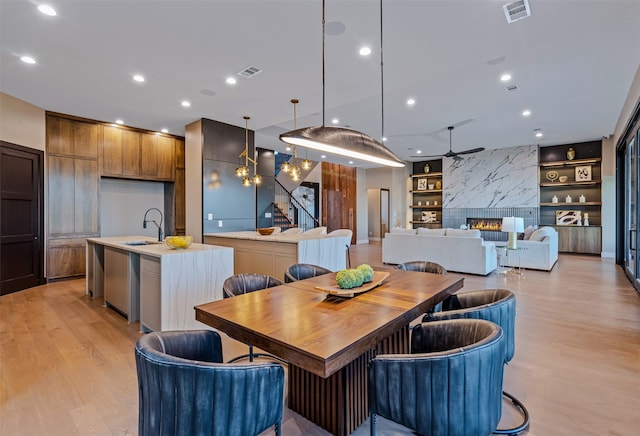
(67, 364)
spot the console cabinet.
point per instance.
(571, 195)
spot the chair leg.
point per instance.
(277, 429)
(348, 256)
(372, 427)
(525, 422)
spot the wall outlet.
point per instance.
(267, 214)
(219, 223)
(210, 217)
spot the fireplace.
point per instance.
(485, 224)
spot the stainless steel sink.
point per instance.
(140, 242)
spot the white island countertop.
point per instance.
(255, 236)
(163, 284)
(152, 246)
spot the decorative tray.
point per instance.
(376, 280)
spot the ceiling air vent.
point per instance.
(517, 10)
(512, 88)
(249, 72)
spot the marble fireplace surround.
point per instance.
(491, 184)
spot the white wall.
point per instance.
(362, 209)
(123, 204)
(22, 123)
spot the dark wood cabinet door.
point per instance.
(112, 151)
(131, 153)
(21, 215)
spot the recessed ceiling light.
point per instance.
(288, 148)
(119, 121)
(365, 51)
(539, 135)
(505, 77)
(186, 103)
(275, 152)
(138, 78)
(165, 130)
(335, 121)
(419, 151)
(411, 102)
(384, 139)
(28, 60)
(526, 113)
(350, 162)
(47, 10)
(231, 80)
(324, 156)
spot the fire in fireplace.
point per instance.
(486, 224)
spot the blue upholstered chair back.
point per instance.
(450, 386)
(496, 305)
(245, 283)
(301, 271)
(184, 389)
(422, 266)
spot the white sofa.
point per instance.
(540, 251)
(457, 250)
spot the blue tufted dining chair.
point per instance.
(185, 389)
(450, 384)
(498, 306)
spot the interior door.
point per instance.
(631, 213)
(21, 213)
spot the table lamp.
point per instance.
(512, 225)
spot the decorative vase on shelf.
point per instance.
(568, 199)
(438, 184)
(583, 199)
(579, 222)
(571, 154)
(427, 168)
(554, 199)
(586, 219)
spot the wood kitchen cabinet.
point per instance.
(121, 152)
(157, 157)
(72, 138)
(79, 152)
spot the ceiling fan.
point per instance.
(454, 154)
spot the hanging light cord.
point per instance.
(323, 63)
(381, 76)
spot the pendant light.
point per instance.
(243, 171)
(339, 140)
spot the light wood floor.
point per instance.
(67, 364)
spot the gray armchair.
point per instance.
(498, 306)
(450, 385)
(185, 389)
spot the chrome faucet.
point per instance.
(159, 226)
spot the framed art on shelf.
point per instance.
(429, 217)
(583, 173)
(422, 184)
(567, 217)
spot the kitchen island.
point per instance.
(273, 254)
(148, 281)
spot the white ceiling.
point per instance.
(573, 62)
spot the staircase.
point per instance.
(288, 212)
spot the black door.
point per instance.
(21, 217)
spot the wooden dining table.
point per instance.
(328, 340)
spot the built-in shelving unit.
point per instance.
(571, 195)
(426, 194)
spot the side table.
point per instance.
(509, 260)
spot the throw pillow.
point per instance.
(430, 232)
(542, 233)
(475, 233)
(403, 230)
(529, 231)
